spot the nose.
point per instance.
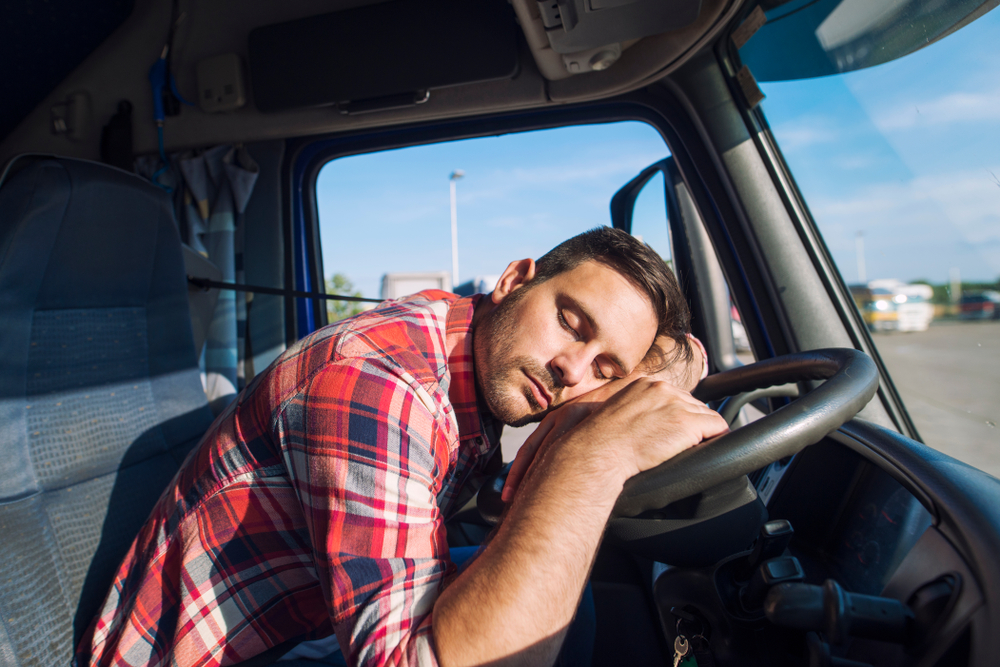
(572, 365)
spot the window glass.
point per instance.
(647, 224)
(648, 217)
(899, 166)
(385, 218)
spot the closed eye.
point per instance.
(565, 325)
(605, 375)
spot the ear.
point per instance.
(516, 275)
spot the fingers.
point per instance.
(681, 372)
(652, 421)
(656, 390)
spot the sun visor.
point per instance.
(379, 53)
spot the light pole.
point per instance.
(455, 175)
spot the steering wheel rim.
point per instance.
(851, 382)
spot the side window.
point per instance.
(649, 218)
(388, 214)
(386, 218)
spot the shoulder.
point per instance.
(417, 322)
(406, 338)
(409, 333)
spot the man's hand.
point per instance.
(684, 374)
(655, 420)
(556, 424)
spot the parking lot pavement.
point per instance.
(949, 379)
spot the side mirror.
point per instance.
(623, 203)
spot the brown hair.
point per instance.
(643, 267)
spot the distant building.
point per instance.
(395, 285)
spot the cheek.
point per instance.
(542, 341)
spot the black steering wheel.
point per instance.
(851, 381)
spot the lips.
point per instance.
(538, 390)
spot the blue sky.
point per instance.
(906, 152)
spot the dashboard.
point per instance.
(854, 523)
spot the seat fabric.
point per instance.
(100, 393)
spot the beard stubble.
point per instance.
(500, 374)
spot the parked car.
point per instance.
(877, 306)
(980, 306)
(900, 306)
(913, 307)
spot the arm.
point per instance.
(526, 584)
(685, 373)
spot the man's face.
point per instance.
(542, 345)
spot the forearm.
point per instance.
(517, 598)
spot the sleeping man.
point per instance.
(311, 517)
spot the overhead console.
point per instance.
(586, 49)
(381, 56)
(589, 34)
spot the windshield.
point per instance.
(899, 166)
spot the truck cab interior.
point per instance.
(153, 150)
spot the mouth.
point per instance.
(538, 390)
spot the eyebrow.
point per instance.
(592, 323)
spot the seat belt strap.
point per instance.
(206, 284)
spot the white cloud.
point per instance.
(855, 161)
(963, 198)
(957, 107)
(925, 214)
(804, 132)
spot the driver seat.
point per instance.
(100, 391)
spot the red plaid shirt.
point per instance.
(315, 504)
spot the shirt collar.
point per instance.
(479, 427)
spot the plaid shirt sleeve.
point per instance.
(366, 452)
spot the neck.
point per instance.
(483, 308)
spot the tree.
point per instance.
(338, 283)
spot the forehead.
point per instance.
(619, 312)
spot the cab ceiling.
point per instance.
(117, 69)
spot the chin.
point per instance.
(515, 409)
(527, 419)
